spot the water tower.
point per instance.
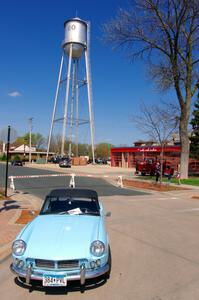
(76, 47)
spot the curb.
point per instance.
(5, 250)
(34, 203)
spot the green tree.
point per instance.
(103, 150)
(165, 33)
(19, 141)
(194, 146)
(16, 157)
(37, 139)
(3, 157)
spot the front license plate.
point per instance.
(54, 280)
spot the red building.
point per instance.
(126, 157)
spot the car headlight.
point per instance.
(97, 248)
(18, 247)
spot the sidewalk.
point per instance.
(10, 211)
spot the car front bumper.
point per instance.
(82, 274)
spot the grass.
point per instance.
(189, 181)
(2, 196)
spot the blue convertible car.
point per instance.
(66, 241)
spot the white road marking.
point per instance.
(189, 209)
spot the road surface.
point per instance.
(41, 186)
(155, 251)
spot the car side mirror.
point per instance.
(108, 214)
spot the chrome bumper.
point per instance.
(82, 275)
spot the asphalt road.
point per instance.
(41, 186)
(154, 242)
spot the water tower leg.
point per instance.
(55, 106)
(66, 101)
(72, 109)
(88, 77)
(77, 109)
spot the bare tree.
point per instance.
(103, 150)
(55, 145)
(159, 123)
(166, 33)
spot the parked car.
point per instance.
(55, 159)
(65, 163)
(17, 163)
(66, 241)
(97, 161)
(106, 161)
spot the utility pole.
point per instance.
(30, 137)
(7, 160)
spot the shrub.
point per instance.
(16, 157)
(3, 157)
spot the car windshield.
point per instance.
(70, 206)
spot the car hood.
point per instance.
(57, 237)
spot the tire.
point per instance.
(22, 279)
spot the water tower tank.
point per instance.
(75, 33)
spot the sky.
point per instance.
(31, 35)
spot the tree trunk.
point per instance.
(161, 162)
(184, 138)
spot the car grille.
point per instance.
(42, 263)
(67, 264)
(51, 264)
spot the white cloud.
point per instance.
(14, 94)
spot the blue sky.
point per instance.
(31, 34)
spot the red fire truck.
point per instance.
(148, 167)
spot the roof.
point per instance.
(80, 193)
(24, 148)
(141, 149)
(75, 20)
